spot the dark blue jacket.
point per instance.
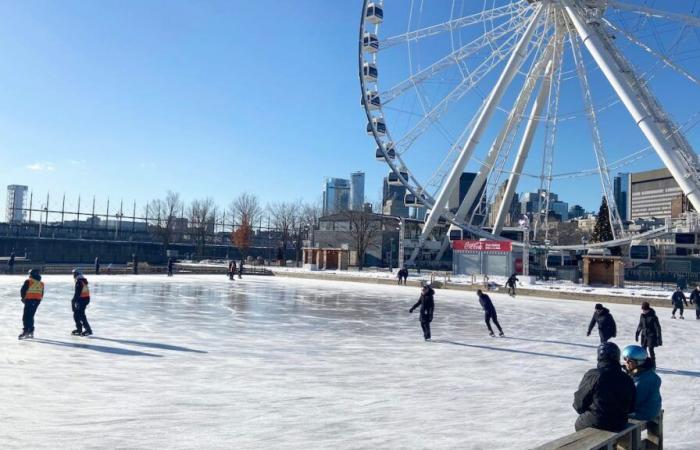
(487, 304)
(647, 403)
(678, 298)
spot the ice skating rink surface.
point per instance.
(203, 362)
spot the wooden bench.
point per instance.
(631, 438)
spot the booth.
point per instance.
(482, 257)
(603, 271)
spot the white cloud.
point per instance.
(77, 162)
(42, 166)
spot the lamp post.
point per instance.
(46, 211)
(525, 225)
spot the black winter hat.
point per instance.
(598, 306)
(607, 351)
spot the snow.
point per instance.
(197, 361)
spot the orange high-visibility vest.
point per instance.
(85, 292)
(35, 291)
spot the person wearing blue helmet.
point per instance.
(647, 403)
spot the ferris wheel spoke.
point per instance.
(656, 13)
(666, 60)
(517, 8)
(488, 65)
(506, 29)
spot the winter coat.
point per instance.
(511, 281)
(650, 330)
(678, 298)
(606, 324)
(79, 283)
(604, 398)
(25, 286)
(427, 305)
(695, 298)
(647, 404)
(487, 304)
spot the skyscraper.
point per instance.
(336, 195)
(621, 188)
(16, 203)
(357, 190)
(392, 199)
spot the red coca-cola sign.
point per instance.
(482, 246)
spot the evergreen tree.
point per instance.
(602, 231)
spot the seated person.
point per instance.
(647, 404)
(606, 394)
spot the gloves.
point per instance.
(411, 310)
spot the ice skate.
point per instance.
(492, 334)
(87, 333)
(29, 335)
(501, 334)
(22, 335)
(682, 318)
(76, 333)
(673, 316)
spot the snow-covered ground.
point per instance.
(198, 361)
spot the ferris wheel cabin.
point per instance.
(370, 42)
(642, 252)
(369, 72)
(455, 233)
(394, 180)
(374, 13)
(412, 201)
(441, 222)
(378, 124)
(371, 99)
(390, 152)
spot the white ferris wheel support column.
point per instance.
(674, 158)
(490, 105)
(525, 145)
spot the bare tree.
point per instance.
(284, 216)
(162, 215)
(246, 206)
(362, 230)
(202, 214)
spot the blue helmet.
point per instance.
(635, 353)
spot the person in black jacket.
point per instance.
(695, 298)
(171, 263)
(606, 323)
(606, 394)
(510, 283)
(97, 265)
(489, 312)
(231, 269)
(80, 301)
(650, 330)
(677, 299)
(427, 307)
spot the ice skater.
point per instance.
(31, 293)
(402, 275)
(427, 307)
(489, 313)
(240, 270)
(650, 330)
(677, 299)
(695, 298)
(231, 269)
(171, 263)
(606, 323)
(80, 301)
(510, 283)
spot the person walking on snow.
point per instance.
(489, 312)
(647, 402)
(510, 283)
(427, 307)
(695, 298)
(677, 299)
(650, 330)
(80, 301)
(31, 293)
(606, 323)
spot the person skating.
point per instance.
(606, 323)
(135, 263)
(32, 293)
(489, 312)
(402, 275)
(427, 307)
(11, 263)
(677, 299)
(171, 262)
(649, 329)
(240, 269)
(695, 298)
(606, 394)
(231, 269)
(647, 403)
(97, 265)
(80, 301)
(510, 283)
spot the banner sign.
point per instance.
(482, 246)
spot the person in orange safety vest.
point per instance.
(81, 299)
(32, 292)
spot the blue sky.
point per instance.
(128, 99)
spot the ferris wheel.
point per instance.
(542, 93)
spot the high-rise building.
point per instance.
(513, 215)
(621, 188)
(336, 195)
(560, 208)
(393, 199)
(16, 203)
(652, 193)
(576, 211)
(357, 190)
(532, 202)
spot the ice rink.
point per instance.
(271, 362)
